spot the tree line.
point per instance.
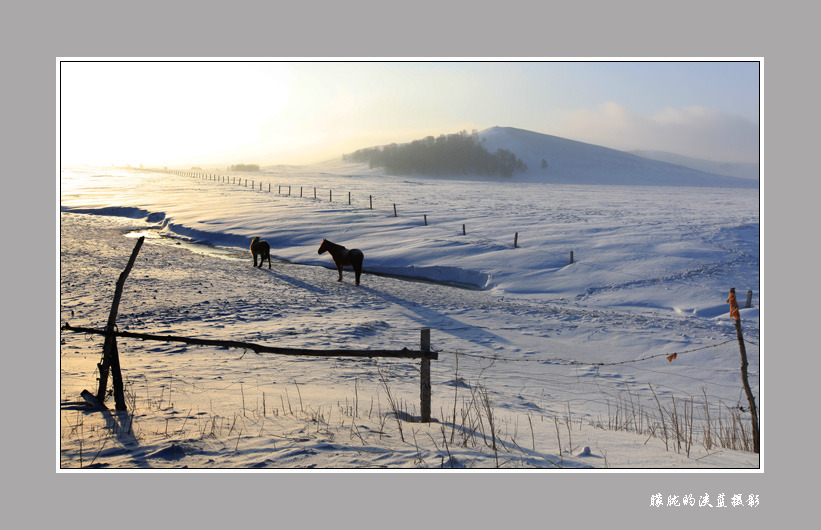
(452, 154)
(244, 167)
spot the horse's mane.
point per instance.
(331, 244)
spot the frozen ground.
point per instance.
(539, 358)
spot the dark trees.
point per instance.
(454, 154)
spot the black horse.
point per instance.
(263, 249)
(342, 256)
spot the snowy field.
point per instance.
(543, 363)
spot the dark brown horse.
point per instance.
(263, 249)
(342, 256)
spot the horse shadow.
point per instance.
(296, 282)
(431, 318)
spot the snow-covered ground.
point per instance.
(543, 363)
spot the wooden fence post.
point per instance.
(464, 233)
(749, 300)
(111, 358)
(425, 377)
(426, 219)
(516, 240)
(349, 198)
(394, 209)
(370, 198)
(571, 256)
(750, 398)
(330, 195)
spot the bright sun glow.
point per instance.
(181, 113)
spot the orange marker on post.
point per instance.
(733, 305)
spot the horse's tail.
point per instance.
(357, 257)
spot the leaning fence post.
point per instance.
(111, 358)
(750, 398)
(516, 240)
(425, 377)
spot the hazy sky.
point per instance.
(185, 113)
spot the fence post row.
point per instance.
(233, 180)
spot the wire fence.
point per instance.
(548, 391)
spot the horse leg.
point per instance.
(255, 258)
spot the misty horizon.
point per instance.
(164, 113)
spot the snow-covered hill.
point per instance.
(568, 162)
(729, 169)
(573, 162)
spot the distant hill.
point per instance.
(730, 169)
(572, 162)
